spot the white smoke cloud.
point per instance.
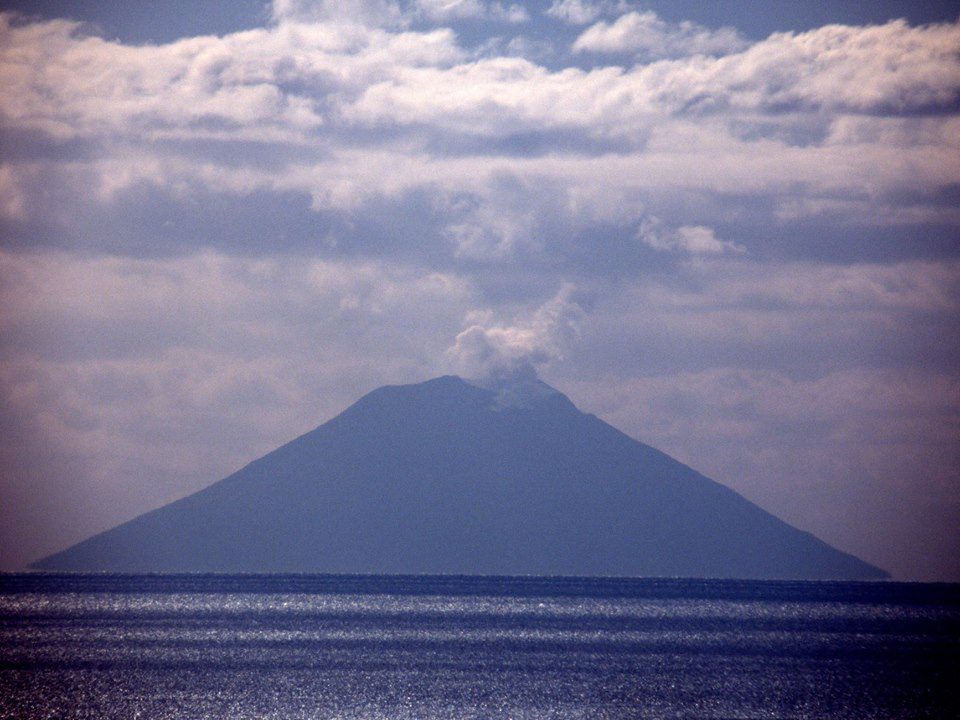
(488, 351)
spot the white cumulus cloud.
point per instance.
(581, 12)
(691, 239)
(647, 35)
(447, 10)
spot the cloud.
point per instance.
(581, 12)
(885, 69)
(287, 82)
(644, 34)
(797, 319)
(691, 239)
(262, 84)
(452, 10)
(364, 12)
(388, 13)
(347, 115)
(487, 349)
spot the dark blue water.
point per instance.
(107, 646)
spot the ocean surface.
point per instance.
(319, 646)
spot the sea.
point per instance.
(384, 647)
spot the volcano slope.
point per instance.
(448, 477)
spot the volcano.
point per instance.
(451, 477)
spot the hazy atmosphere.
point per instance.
(731, 230)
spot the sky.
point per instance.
(730, 229)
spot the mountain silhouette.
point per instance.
(447, 476)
